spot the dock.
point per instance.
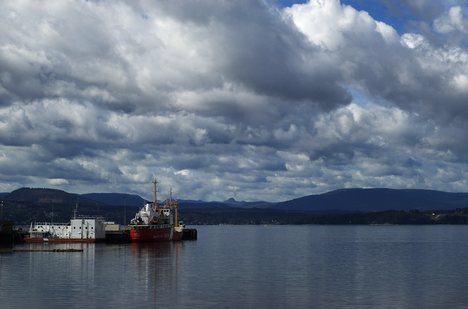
(121, 234)
(190, 234)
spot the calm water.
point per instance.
(251, 267)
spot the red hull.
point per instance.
(33, 239)
(153, 233)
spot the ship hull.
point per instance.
(33, 239)
(176, 236)
(60, 240)
(153, 233)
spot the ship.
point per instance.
(80, 229)
(154, 222)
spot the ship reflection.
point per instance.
(158, 269)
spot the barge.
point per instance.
(79, 229)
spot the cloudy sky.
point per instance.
(257, 100)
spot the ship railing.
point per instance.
(151, 226)
(51, 223)
(90, 217)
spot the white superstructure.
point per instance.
(85, 228)
(146, 215)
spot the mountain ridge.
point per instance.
(26, 204)
(349, 199)
(377, 199)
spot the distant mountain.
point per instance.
(116, 199)
(230, 203)
(122, 199)
(347, 206)
(183, 204)
(365, 200)
(27, 204)
(242, 204)
(43, 196)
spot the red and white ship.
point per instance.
(156, 222)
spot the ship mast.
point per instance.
(170, 196)
(155, 189)
(174, 206)
(76, 208)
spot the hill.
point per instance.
(242, 204)
(365, 200)
(122, 199)
(347, 206)
(40, 204)
(116, 199)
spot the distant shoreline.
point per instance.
(349, 207)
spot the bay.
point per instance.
(306, 266)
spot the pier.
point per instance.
(9, 236)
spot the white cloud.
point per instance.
(57, 181)
(461, 82)
(242, 96)
(453, 20)
(329, 24)
(413, 40)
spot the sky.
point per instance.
(256, 100)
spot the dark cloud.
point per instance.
(223, 99)
(413, 76)
(422, 16)
(257, 49)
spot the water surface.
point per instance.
(250, 267)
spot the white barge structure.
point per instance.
(81, 229)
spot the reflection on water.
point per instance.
(157, 268)
(249, 266)
(100, 276)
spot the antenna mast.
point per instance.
(155, 189)
(174, 206)
(76, 208)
